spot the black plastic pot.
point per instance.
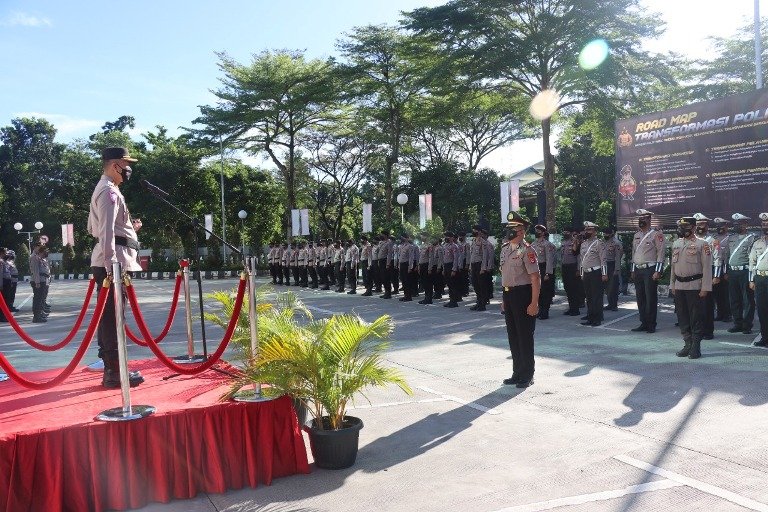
(335, 449)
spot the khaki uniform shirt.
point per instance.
(425, 255)
(592, 256)
(285, 258)
(648, 249)
(689, 258)
(476, 250)
(352, 255)
(375, 252)
(714, 246)
(39, 269)
(736, 253)
(545, 253)
(567, 256)
(108, 218)
(758, 258)
(365, 253)
(518, 263)
(450, 262)
(489, 256)
(438, 256)
(301, 257)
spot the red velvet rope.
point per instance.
(168, 322)
(17, 377)
(49, 348)
(213, 359)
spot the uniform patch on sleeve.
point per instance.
(660, 237)
(707, 250)
(532, 256)
(113, 196)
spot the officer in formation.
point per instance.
(719, 282)
(5, 281)
(451, 269)
(426, 260)
(463, 265)
(10, 277)
(545, 253)
(614, 251)
(758, 279)
(481, 262)
(351, 264)
(690, 282)
(736, 258)
(40, 278)
(386, 263)
(366, 251)
(569, 269)
(520, 279)
(594, 272)
(407, 267)
(702, 231)
(648, 255)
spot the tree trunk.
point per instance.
(290, 182)
(388, 188)
(549, 175)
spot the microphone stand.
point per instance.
(159, 194)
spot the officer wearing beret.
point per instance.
(648, 253)
(758, 279)
(720, 278)
(690, 282)
(736, 254)
(110, 223)
(521, 283)
(545, 253)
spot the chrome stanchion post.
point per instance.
(190, 357)
(253, 321)
(126, 412)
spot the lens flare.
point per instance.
(593, 54)
(544, 104)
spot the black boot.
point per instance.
(695, 350)
(685, 350)
(111, 378)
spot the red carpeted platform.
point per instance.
(55, 457)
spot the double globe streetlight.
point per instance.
(18, 227)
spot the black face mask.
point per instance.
(739, 229)
(126, 172)
(722, 231)
(765, 231)
(701, 231)
(511, 234)
(642, 223)
(566, 236)
(684, 233)
(607, 237)
(588, 234)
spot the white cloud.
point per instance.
(67, 127)
(23, 19)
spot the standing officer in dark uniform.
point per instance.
(476, 259)
(614, 251)
(545, 253)
(521, 283)
(737, 256)
(426, 254)
(758, 279)
(594, 272)
(719, 278)
(690, 282)
(386, 256)
(648, 253)
(569, 269)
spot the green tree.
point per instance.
(68, 259)
(533, 45)
(266, 106)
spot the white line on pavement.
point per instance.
(696, 484)
(24, 301)
(740, 345)
(596, 496)
(458, 400)
(619, 319)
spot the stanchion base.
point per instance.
(189, 360)
(3, 377)
(117, 414)
(250, 396)
(98, 366)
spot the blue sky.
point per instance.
(80, 63)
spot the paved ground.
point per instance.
(614, 422)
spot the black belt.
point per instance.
(127, 242)
(688, 279)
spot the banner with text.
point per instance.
(304, 222)
(367, 217)
(510, 198)
(425, 209)
(68, 234)
(709, 157)
(208, 225)
(295, 222)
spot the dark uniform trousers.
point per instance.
(405, 279)
(571, 285)
(273, 272)
(690, 309)
(708, 314)
(761, 301)
(383, 272)
(488, 285)
(296, 273)
(593, 288)
(279, 273)
(351, 276)
(287, 275)
(547, 292)
(612, 286)
(394, 277)
(364, 273)
(479, 284)
(426, 281)
(438, 284)
(647, 295)
(339, 271)
(106, 333)
(520, 328)
(720, 295)
(7, 284)
(742, 299)
(464, 282)
(303, 276)
(313, 275)
(370, 282)
(39, 294)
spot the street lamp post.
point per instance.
(18, 227)
(401, 200)
(242, 214)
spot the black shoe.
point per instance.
(3, 320)
(574, 312)
(352, 292)
(386, 296)
(760, 343)
(726, 319)
(735, 328)
(683, 352)
(403, 299)
(611, 309)
(514, 379)
(15, 310)
(39, 320)
(111, 379)
(650, 330)
(482, 308)
(524, 383)
(708, 337)
(747, 331)
(425, 302)
(438, 297)
(326, 288)
(585, 317)
(450, 305)
(588, 323)
(543, 316)
(640, 328)
(367, 293)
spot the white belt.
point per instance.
(761, 272)
(739, 267)
(645, 265)
(592, 269)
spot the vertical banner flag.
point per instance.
(68, 234)
(367, 217)
(295, 222)
(425, 209)
(504, 185)
(514, 195)
(304, 217)
(208, 225)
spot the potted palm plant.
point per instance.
(325, 364)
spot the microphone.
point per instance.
(154, 189)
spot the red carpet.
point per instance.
(55, 457)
